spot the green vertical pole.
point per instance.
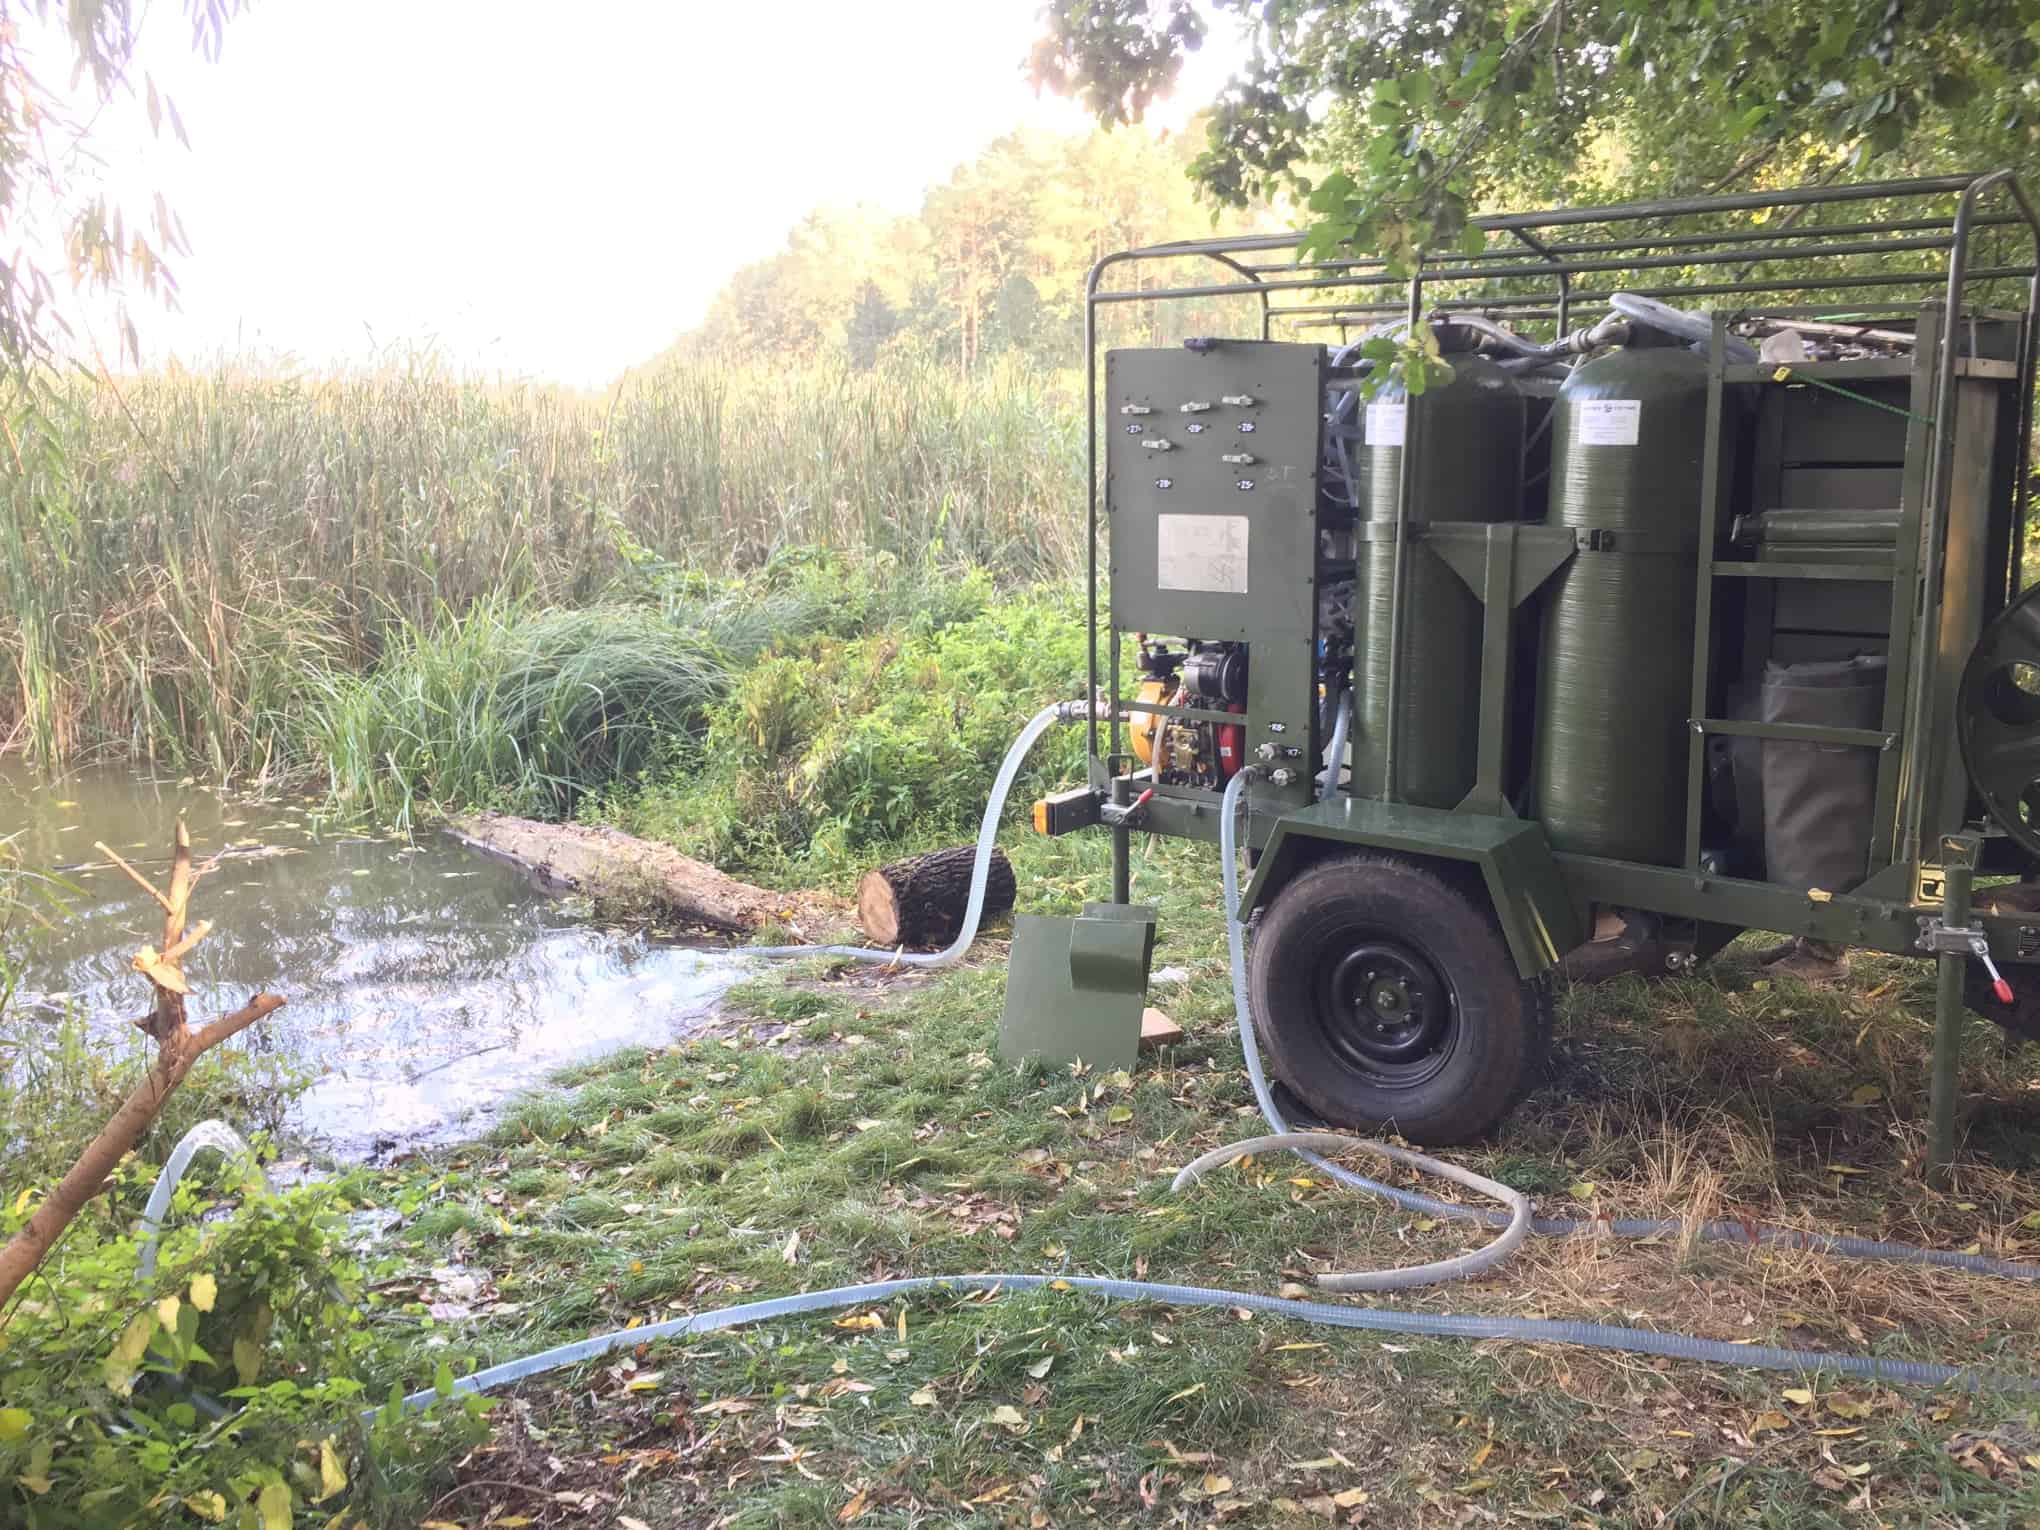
(1948, 1017)
(1122, 848)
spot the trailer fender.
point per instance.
(1531, 899)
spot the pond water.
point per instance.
(425, 983)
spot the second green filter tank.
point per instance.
(1468, 439)
(1616, 673)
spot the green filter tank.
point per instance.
(1468, 439)
(1616, 676)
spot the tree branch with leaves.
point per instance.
(1392, 120)
(178, 1047)
(65, 65)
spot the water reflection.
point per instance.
(425, 982)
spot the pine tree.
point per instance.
(873, 321)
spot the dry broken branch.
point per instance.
(138, 879)
(178, 1047)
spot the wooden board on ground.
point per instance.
(624, 872)
(1158, 1030)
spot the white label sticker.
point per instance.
(1387, 424)
(1608, 421)
(1201, 552)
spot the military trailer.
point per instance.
(1692, 603)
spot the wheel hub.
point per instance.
(1386, 1007)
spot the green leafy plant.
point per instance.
(225, 1388)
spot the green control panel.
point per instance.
(1211, 498)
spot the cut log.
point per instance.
(634, 875)
(920, 901)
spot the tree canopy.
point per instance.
(1392, 120)
(993, 263)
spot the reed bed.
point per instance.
(194, 569)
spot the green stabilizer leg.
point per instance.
(1075, 987)
(1958, 856)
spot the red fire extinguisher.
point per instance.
(1232, 745)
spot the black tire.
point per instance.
(1385, 997)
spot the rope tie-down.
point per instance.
(1515, 1222)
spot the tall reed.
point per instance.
(186, 561)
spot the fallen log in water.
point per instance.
(618, 870)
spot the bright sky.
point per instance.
(551, 190)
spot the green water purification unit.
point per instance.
(1690, 604)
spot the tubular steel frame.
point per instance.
(1628, 239)
(1880, 255)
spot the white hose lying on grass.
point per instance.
(980, 866)
(1458, 1267)
(1308, 1144)
(218, 1136)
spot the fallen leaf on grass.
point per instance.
(726, 1405)
(856, 1506)
(922, 1399)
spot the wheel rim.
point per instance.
(1385, 1009)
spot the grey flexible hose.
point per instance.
(1522, 345)
(1441, 1325)
(1638, 1341)
(988, 833)
(1459, 1267)
(1552, 1227)
(216, 1135)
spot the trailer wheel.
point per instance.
(1385, 997)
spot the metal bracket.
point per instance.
(1114, 816)
(1500, 559)
(1943, 939)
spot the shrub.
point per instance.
(526, 710)
(227, 1388)
(833, 746)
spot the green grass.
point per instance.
(844, 1125)
(525, 710)
(180, 552)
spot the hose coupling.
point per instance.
(1079, 710)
